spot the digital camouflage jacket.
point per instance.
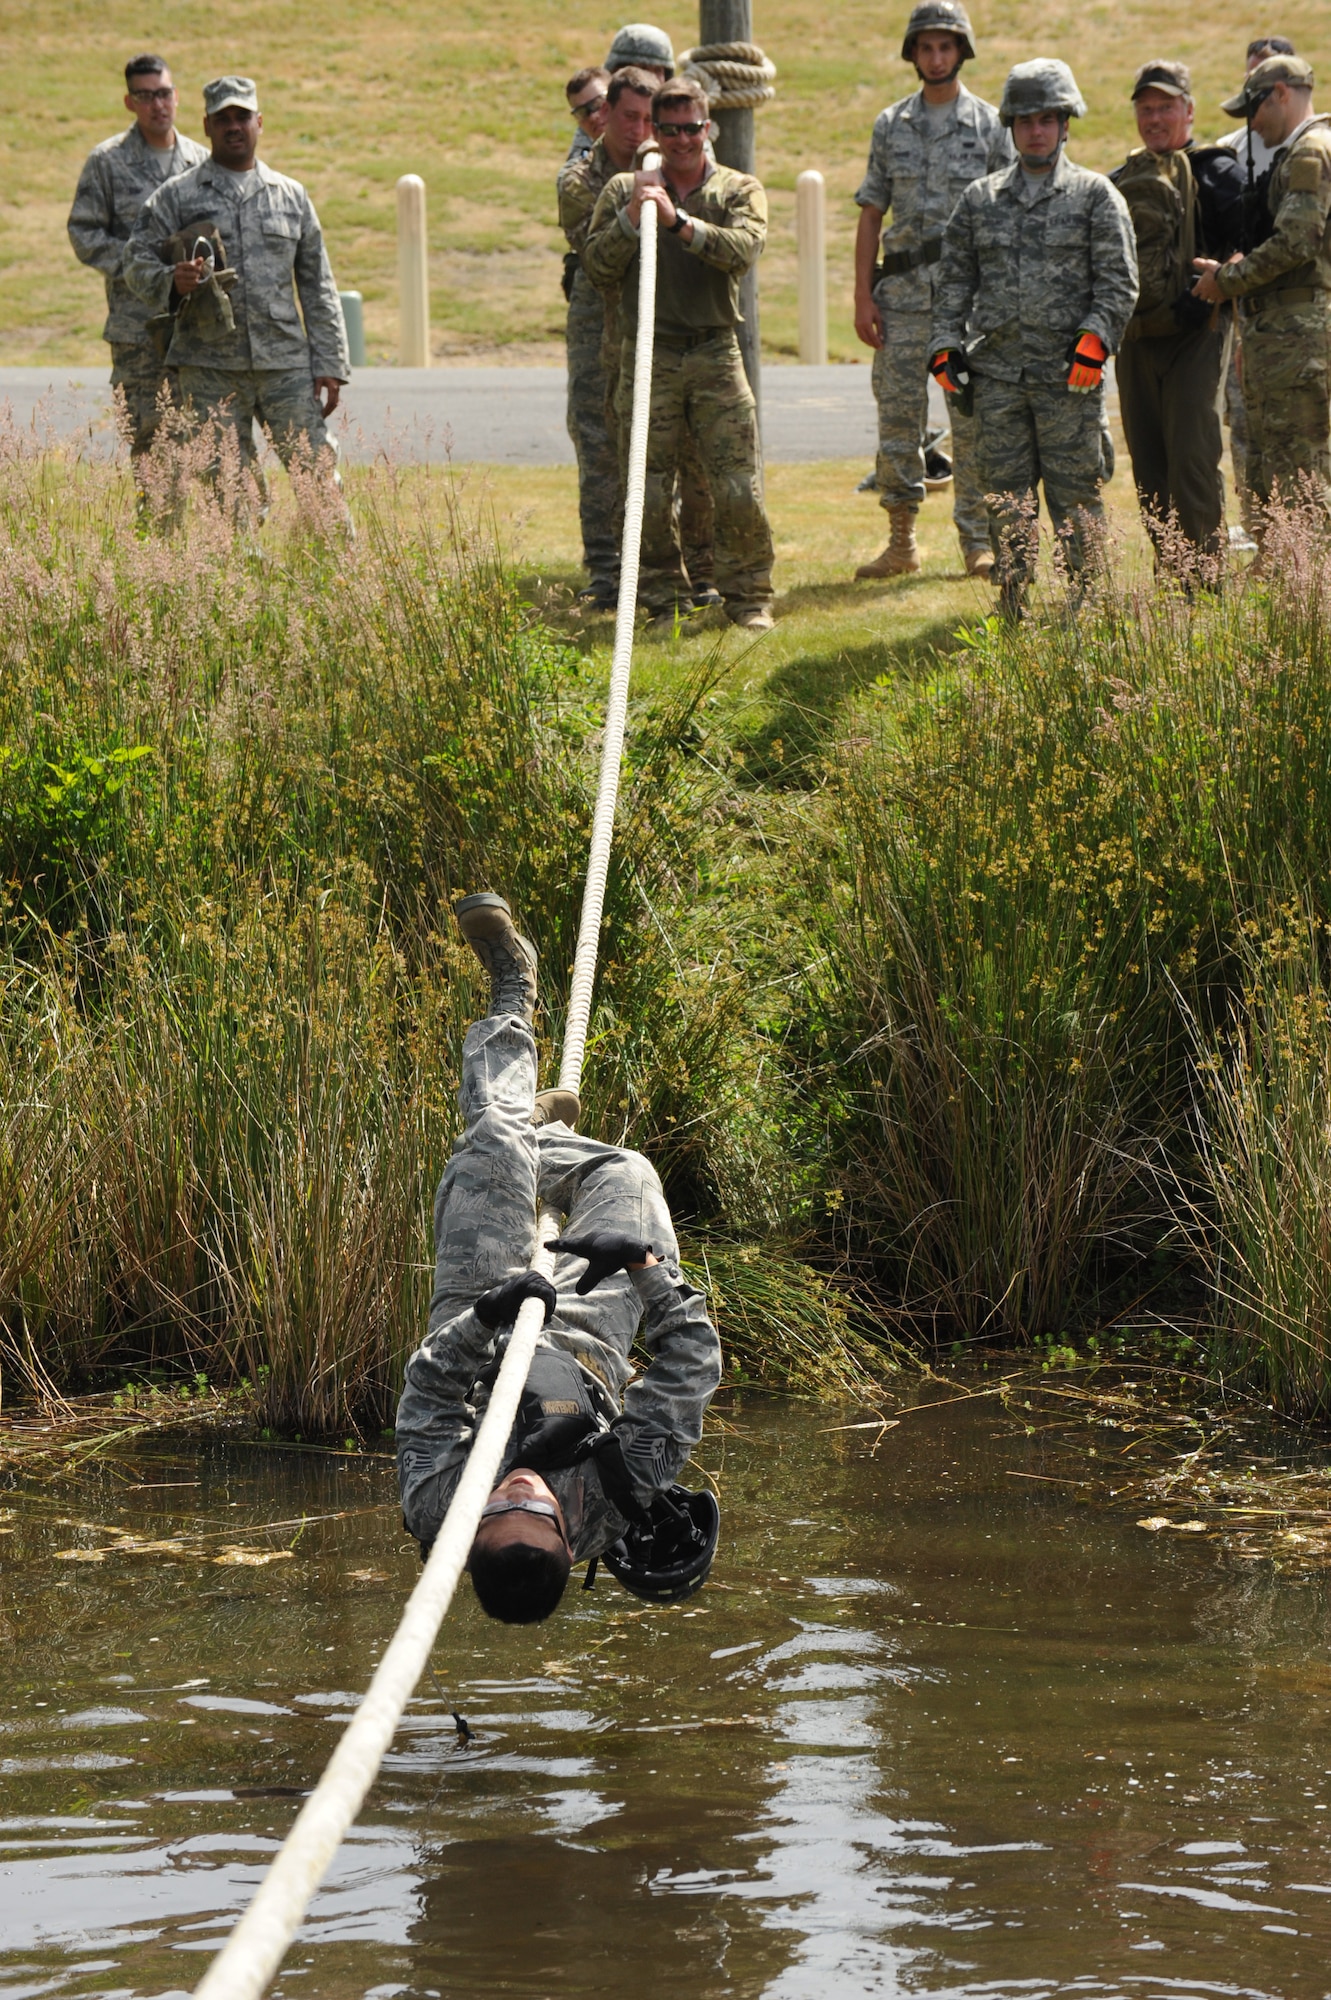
(117, 178)
(697, 283)
(918, 171)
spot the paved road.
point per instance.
(504, 416)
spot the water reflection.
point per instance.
(932, 1731)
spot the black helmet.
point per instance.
(666, 1558)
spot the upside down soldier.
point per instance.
(590, 1465)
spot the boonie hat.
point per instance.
(224, 90)
(1174, 78)
(1275, 69)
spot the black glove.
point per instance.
(606, 1252)
(499, 1306)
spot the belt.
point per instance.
(1293, 295)
(683, 343)
(895, 261)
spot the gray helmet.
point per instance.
(639, 45)
(1042, 85)
(945, 17)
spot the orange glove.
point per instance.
(1087, 355)
(949, 370)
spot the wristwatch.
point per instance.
(680, 222)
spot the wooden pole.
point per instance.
(811, 251)
(413, 275)
(732, 21)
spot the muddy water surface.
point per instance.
(934, 1729)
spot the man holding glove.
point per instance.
(1038, 280)
(590, 1465)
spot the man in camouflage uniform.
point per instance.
(699, 387)
(117, 179)
(594, 1442)
(245, 354)
(639, 46)
(593, 335)
(1283, 289)
(926, 149)
(1038, 280)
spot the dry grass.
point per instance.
(472, 99)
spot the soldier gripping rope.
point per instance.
(590, 1466)
(216, 252)
(1283, 289)
(117, 179)
(926, 149)
(1038, 280)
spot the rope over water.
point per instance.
(737, 76)
(256, 1947)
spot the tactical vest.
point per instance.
(1162, 200)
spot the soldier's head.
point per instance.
(520, 1558)
(586, 94)
(1162, 100)
(629, 119)
(1276, 98)
(680, 118)
(640, 46)
(233, 121)
(1038, 100)
(151, 96)
(938, 40)
(1264, 46)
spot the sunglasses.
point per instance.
(587, 106)
(496, 1507)
(689, 131)
(153, 96)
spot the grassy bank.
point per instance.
(471, 99)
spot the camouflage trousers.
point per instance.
(1032, 432)
(901, 389)
(139, 372)
(282, 399)
(1287, 390)
(1236, 416)
(701, 393)
(600, 506)
(695, 517)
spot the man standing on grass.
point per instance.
(712, 225)
(1038, 280)
(926, 150)
(117, 179)
(222, 253)
(1184, 200)
(1283, 289)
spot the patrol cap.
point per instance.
(1042, 85)
(224, 90)
(944, 17)
(1174, 78)
(641, 44)
(1260, 82)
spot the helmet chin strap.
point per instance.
(1050, 159)
(951, 76)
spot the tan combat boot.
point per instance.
(901, 557)
(979, 562)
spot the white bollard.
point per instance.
(413, 274)
(811, 248)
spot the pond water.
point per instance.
(933, 1729)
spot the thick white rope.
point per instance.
(257, 1945)
(737, 76)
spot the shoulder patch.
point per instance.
(1305, 174)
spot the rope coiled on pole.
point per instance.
(258, 1944)
(737, 76)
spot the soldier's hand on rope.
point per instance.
(499, 1306)
(189, 276)
(949, 370)
(648, 187)
(606, 1251)
(1086, 358)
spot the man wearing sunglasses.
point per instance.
(117, 178)
(1283, 289)
(595, 1447)
(711, 228)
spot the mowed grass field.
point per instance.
(357, 92)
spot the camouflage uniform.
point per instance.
(485, 1212)
(920, 160)
(1284, 292)
(699, 388)
(117, 178)
(267, 366)
(1028, 263)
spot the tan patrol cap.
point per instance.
(224, 90)
(1275, 69)
(1174, 78)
